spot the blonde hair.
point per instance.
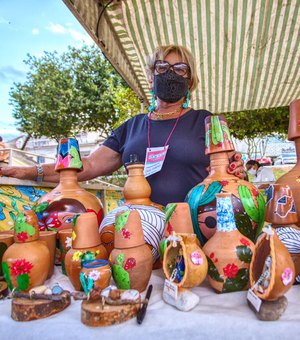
(162, 51)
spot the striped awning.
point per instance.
(247, 51)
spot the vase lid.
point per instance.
(294, 121)
(26, 227)
(217, 135)
(280, 205)
(128, 230)
(68, 155)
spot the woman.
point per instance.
(171, 125)
(260, 173)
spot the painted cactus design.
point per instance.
(20, 269)
(120, 271)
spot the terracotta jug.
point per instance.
(68, 164)
(228, 251)
(6, 240)
(137, 193)
(86, 245)
(248, 203)
(185, 258)
(49, 237)
(131, 259)
(26, 263)
(292, 178)
(272, 271)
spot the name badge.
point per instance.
(155, 158)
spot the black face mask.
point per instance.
(169, 86)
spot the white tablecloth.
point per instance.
(218, 316)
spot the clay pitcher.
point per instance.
(248, 203)
(68, 164)
(228, 252)
(131, 260)
(292, 178)
(26, 263)
(86, 245)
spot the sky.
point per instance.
(31, 27)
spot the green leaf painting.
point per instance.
(75, 161)
(216, 131)
(121, 220)
(213, 271)
(6, 273)
(244, 225)
(121, 276)
(40, 207)
(23, 281)
(22, 226)
(244, 253)
(239, 282)
(169, 211)
(248, 203)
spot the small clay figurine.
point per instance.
(264, 279)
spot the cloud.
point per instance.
(35, 31)
(9, 73)
(67, 30)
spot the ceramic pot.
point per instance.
(6, 240)
(65, 244)
(26, 263)
(95, 274)
(131, 260)
(292, 178)
(228, 251)
(68, 164)
(49, 237)
(248, 203)
(184, 261)
(272, 271)
(180, 220)
(137, 193)
(86, 245)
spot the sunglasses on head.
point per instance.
(162, 66)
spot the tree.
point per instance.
(67, 94)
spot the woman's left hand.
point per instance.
(236, 165)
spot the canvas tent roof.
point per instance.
(247, 51)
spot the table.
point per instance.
(218, 316)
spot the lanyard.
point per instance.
(174, 126)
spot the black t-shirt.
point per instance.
(185, 164)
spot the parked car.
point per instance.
(290, 158)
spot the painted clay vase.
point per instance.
(180, 219)
(137, 193)
(131, 259)
(65, 244)
(292, 178)
(248, 203)
(49, 237)
(68, 164)
(282, 215)
(6, 240)
(95, 274)
(272, 271)
(26, 263)
(86, 245)
(184, 261)
(228, 251)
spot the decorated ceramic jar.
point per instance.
(26, 263)
(131, 259)
(6, 240)
(180, 219)
(248, 203)
(228, 252)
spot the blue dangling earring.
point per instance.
(152, 107)
(186, 104)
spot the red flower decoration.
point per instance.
(219, 145)
(22, 236)
(215, 260)
(52, 221)
(169, 228)
(255, 192)
(231, 270)
(212, 255)
(223, 183)
(130, 263)
(245, 242)
(20, 267)
(126, 233)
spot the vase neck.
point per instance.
(219, 163)
(225, 215)
(68, 178)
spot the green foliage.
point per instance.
(213, 271)
(244, 253)
(239, 282)
(70, 93)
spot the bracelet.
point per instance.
(40, 173)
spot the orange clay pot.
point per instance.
(6, 240)
(65, 244)
(86, 245)
(248, 203)
(131, 260)
(26, 263)
(228, 251)
(49, 237)
(98, 271)
(272, 271)
(185, 255)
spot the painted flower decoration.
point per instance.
(20, 267)
(22, 236)
(126, 233)
(245, 242)
(287, 276)
(68, 242)
(94, 275)
(77, 256)
(52, 222)
(130, 263)
(231, 270)
(196, 258)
